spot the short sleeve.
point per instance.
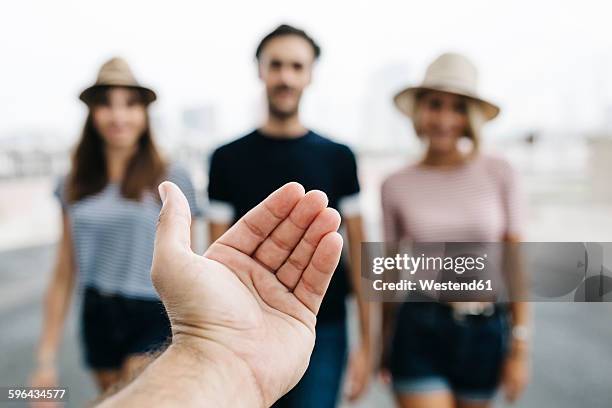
(513, 200)
(347, 183)
(391, 219)
(179, 176)
(60, 192)
(220, 208)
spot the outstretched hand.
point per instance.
(254, 295)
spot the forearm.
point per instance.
(56, 305)
(192, 376)
(363, 307)
(520, 318)
(363, 310)
(519, 310)
(364, 320)
(355, 230)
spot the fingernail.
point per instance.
(162, 192)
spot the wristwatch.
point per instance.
(521, 332)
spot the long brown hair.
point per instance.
(89, 173)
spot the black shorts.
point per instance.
(432, 350)
(114, 327)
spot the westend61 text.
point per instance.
(431, 284)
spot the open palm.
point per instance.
(256, 291)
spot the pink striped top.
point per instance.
(479, 201)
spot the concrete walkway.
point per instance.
(572, 359)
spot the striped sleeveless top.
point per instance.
(113, 236)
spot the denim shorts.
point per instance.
(114, 327)
(434, 350)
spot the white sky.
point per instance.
(548, 63)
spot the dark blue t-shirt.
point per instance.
(247, 170)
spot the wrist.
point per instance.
(46, 360)
(365, 343)
(520, 335)
(192, 372)
(223, 377)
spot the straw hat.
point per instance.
(452, 73)
(116, 72)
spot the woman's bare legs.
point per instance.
(474, 404)
(434, 399)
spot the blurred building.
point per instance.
(199, 132)
(33, 153)
(384, 128)
(199, 123)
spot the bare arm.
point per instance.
(355, 237)
(392, 234)
(389, 313)
(516, 367)
(57, 301)
(519, 310)
(361, 359)
(520, 314)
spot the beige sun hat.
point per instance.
(116, 72)
(452, 73)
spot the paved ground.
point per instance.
(572, 359)
(572, 364)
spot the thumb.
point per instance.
(174, 223)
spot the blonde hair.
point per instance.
(475, 119)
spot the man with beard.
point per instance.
(245, 171)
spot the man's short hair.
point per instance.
(286, 29)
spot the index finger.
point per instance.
(252, 229)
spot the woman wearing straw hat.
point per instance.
(452, 354)
(110, 207)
